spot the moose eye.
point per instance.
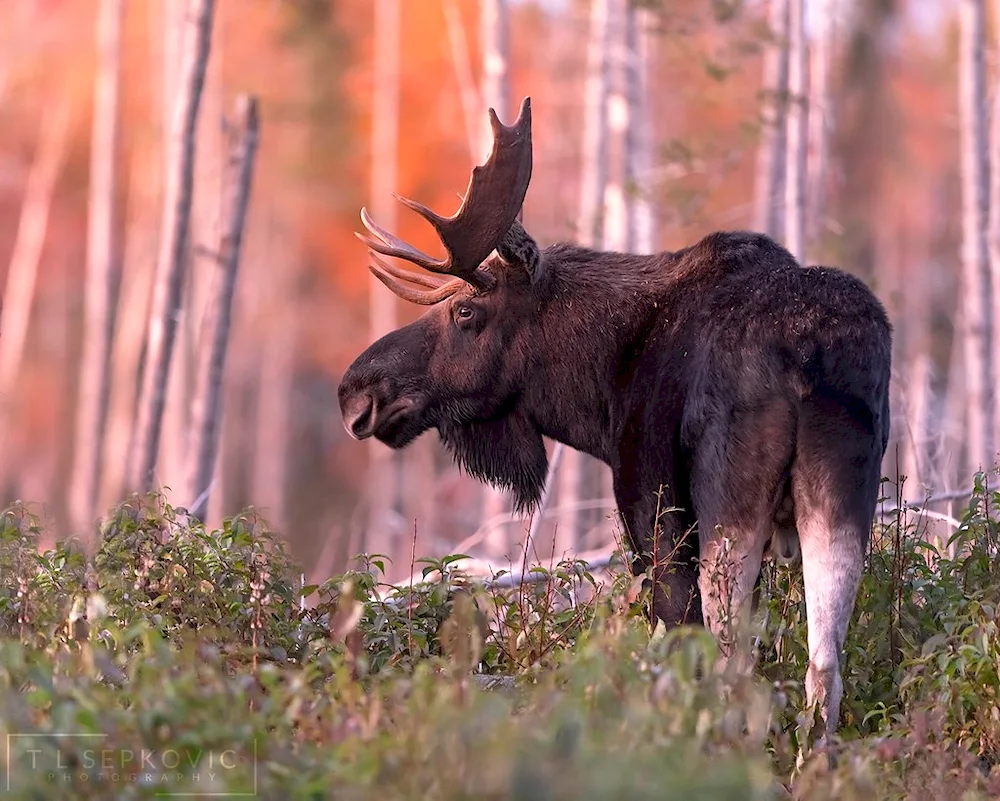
(464, 313)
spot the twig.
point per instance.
(409, 597)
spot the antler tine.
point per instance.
(433, 281)
(390, 245)
(390, 277)
(492, 203)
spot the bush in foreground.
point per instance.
(175, 659)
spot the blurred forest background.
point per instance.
(858, 132)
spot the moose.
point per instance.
(732, 391)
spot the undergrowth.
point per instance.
(175, 659)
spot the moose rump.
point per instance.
(782, 428)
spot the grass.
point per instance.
(175, 659)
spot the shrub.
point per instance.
(175, 658)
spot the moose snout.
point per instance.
(359, 415)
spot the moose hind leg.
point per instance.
(835, 483)
(730, 568)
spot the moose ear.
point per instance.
(519, 249)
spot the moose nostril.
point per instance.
(359, 416)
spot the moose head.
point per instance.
(462, 367)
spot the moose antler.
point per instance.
(492, 203)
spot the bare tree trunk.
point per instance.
(496, 87)
(170, 461)
(625, 163)
(638, 161)
(917, 361)
(19, 293)
(276, 376)
(98, 310)
(142, 235)
(820, 115)
(130, 319)
(615, 231)
(495, 94)
(994, 230)
(383, 529)
(595, 126)
(463, 72)
(954, 464)
(173, 246)
(976, 292)
(795, 171)
(590, 232)
(769, 180)
(207, 407)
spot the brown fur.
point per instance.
(723, 380)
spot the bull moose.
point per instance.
(731, 391)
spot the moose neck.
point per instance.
(597, 308)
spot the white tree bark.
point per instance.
(173, 245)
(994, 232)
(170, 461)
(493, 42)
(590, 232)
(795, 170)
(19, 292)
(276, 374)
(467, 89)
(769, 181)
(976, 291)
(638, 145)
(384, 527)
(594, 167)
(130, 322)
(820, 114)
(214, 340)
(98, 310)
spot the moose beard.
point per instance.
(507, 452)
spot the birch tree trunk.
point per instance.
(820, 115)
(98, 310)
(19, 292)
(637, 155)
(383, 529)
(976, 291)
(173, 245)
(994, 230)
(129, 324)
(769, 181)
(795, 170)
(170, 461)
(214, 339)
(468, 92)
(495, 94)
(615, 229)
(496, 86)
(917, 364)
(276, 374)
(590, 228)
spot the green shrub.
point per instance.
(179, 659)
